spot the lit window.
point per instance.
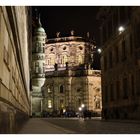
(80, 59)
(49, 103)
(52, 60)
(49, 89)
(61, 103)
(64, 59)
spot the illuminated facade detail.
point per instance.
(49, 103)
(64, 59)
(38, 68)
(73, 81)
(80, 59)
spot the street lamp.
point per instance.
(82, 105)
(121, 29)
(99, 50)
(80, 108)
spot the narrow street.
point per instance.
(78, 126)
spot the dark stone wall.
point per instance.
(11, 122)
(122, 113)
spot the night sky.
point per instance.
(63, 19)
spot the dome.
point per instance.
(40, 29)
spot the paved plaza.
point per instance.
(79, 126)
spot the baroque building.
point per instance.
(120, 62)
(70, 78)
(15, 45)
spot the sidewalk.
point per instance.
(40, 126)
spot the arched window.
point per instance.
(80, 59)
(48, 89)
(52, 60)
(64, 59)
(61, 89)
(49, 103)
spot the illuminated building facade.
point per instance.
(70, 78)
(120, 62)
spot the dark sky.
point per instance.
(63, 19)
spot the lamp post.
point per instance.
(82, 106)
(81, 109)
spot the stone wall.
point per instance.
(14, 68)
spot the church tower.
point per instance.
(38, 68)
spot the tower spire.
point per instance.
(39, 22)
(37, 17)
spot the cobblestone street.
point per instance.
(78, 126)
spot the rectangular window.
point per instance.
(115, 19)
(61, 103)
(104, 33)
(105, 63)
(131, 44)
(125, 88)
(111, 92)
(52, 60)
(110, 28)
(110, 59)
(49, 89)
(118, 90)
(137, 35)
(122, 14)
(117, 54)
(123, 50)
(49, 103)
(132, 85)
(79, 102)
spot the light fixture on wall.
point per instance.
(121, 29)
(99, 50)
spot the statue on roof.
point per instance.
(58, 34)
(88, 34)
(72, 32)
